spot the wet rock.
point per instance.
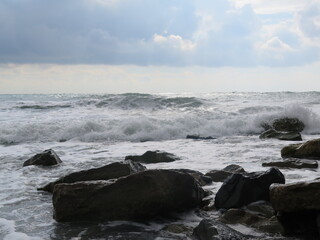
(198, 176)
(141, 196)
(46, 158)
(178, 229)
(198, 137)
(288, 136)
(307, 150)
(110, 171)
(209, 229)
(153, 157)
(288, 125)
(242, 189)
(252, 219)
(298, 207)
(292, 163)
(223, 174)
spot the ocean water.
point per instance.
(90, 131)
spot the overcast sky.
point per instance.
(109, 46)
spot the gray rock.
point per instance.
(292, 163)
(223, 174)
(141, 196)
(298, 207)
(46, 158)
(209, 229)
(110, 171)
(307, 150)
(153, 157)
(241, 189)
(288, 136)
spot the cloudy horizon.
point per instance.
(159, 46)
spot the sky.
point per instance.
(153, 46)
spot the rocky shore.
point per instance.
(129, 191)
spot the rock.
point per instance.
(288, 124)
(178, 229)
(46, 158)
(298, 207)
(288, 136)
(153, 157)
(198, 137)
(209, 229)
(110, 171)
(262, 208)
(242, 189)
(292, 163)
(307, 150)
(198, 176)
(141, 196)
(221, 175)
(252, 219)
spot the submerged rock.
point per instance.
(288, 136)
(198, 137)
(153, 157)
(46, 158)
(223, 174)
(292, 163)
(242, 189)
(110, 171)
(298, 207)
(141, 196)
(209, 229)
(307, 150)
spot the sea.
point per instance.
(89, 131)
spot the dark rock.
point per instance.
(178, 229)
(46, 158)
(198, 137)
(201, 179)
(241, 189)
(292, 163)
(297, 207)
(288, 125)
(209, 229)
(141, 196)
(252, 219)
(110, 171)
(221, 175)
(307, 150)
(262, 208)
(153, 157)
(288, 136)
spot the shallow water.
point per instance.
(100, 129)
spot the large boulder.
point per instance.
(110, 171)
(298, 207)
(141, 196)
(292, 163)
(288, 136)
(46, 158)
(241, 189)
(153, 157)
(223, 174)
(307, 150)
(209, 229)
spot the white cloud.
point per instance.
(275, 44)
(174, 41)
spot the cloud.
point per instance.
(172, 33)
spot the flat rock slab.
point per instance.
(223, 174)
(241, 189)
(141, 196)
(292, 163)
(287, 136)
(307, 150)
(153, 157)
(110, 171)
(46, 158)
